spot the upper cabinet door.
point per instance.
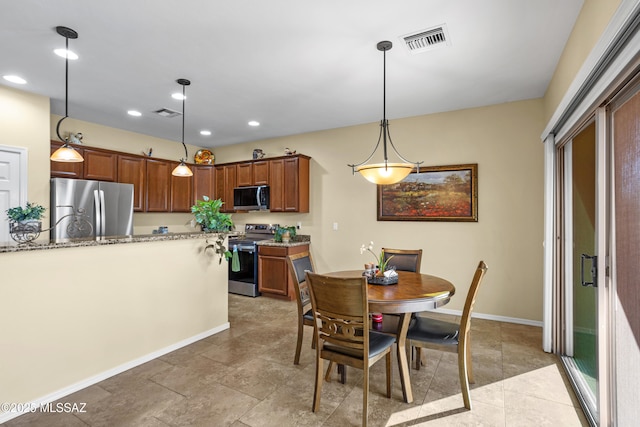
(132, 170)
(261, 172)
(158, 185)
(100, 165)
(66, 169)
(203, 182)
(181, 192)
(276, 185)
(225, 182)
(244, 174)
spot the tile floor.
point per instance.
(245, 376)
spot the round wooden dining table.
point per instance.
(414, 292)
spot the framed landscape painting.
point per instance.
(437, 193)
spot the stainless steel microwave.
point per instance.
(255, 198)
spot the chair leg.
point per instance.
(365, 394)
(296, 359)
(418, 357)
(389, 375)
(469, 360)
(318, 388)
(327, 375)
(462, 372)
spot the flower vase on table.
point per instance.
(377, 274)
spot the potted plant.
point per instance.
(31, 212)
(207, 214)
(284, 233)
(25, 222)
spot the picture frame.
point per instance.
(437, 193)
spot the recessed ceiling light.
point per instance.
(205, 132)
(15, 79)
(134, 113)
(254, 123)
(177, 96)
(63, 53)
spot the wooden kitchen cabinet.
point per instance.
(66, 169)
(261, 172)
(203, 182)
(273, 273)
(158, 185)
(132, 170)
(289, 184)
(225, 182)
(252, 173)
(181, 192)
(100, 165)
(244, 174)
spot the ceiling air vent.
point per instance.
(165, 112)
(427, 39)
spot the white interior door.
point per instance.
(13, 184)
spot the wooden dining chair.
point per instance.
(404, 259)
(298, 264)
(341, 312)
(449, 336)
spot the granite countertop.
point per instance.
(299, 240)
(42, 245)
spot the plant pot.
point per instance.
(25, 231)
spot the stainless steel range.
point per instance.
(245, 281)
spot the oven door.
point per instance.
(244, 281)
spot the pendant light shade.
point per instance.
(182, 169)
(66, 153)
(385, 173)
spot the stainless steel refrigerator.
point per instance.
(83, 209)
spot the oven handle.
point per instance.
(244, 249)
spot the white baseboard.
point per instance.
(505, 319)
(56, 395)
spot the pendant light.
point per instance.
(385, 173)
(182, 169)
(66, 153)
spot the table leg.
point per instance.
(403, 364)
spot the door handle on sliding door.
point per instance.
(594, 270)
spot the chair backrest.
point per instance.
(404, 259)
(465, 322)
(341, 310)
(298, 264)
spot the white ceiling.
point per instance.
(295, 66)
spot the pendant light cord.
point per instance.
(186, 155)
(66, 89)
(384, 105)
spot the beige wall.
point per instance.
(502, 139)
(592, 21)
(70, 314)
(24, 122)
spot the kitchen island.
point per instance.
(75, 313)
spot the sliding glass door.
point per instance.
(580, 254)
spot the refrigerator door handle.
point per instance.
(98, 208)
(103, 216)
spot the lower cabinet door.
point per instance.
(273, 275)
